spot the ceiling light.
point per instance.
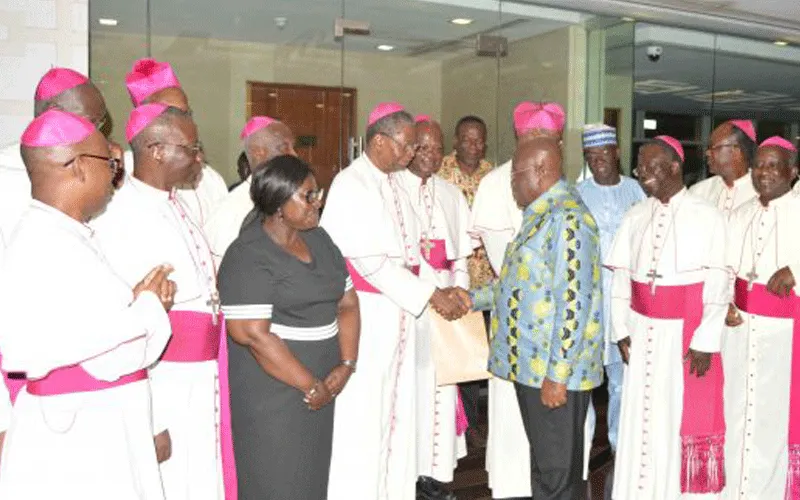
(628, 19)
(107, 22)
(650, 124)
(385, 48)
(781, 43)
(461, 21)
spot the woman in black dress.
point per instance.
(293, 326)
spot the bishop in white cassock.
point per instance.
(264, 138)
(442, 214)
(730, 153)
(496, 219)
(760, 349)
(82, 427)
(146, 224)
(373, 223)
(151, 81)
(67, 90)
(670, 295)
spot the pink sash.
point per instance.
(438, 256)
(195, 338)
(362, 285)
(461, 415)
(14, 385)
(703, 418)
(761, 302)
(74, 379)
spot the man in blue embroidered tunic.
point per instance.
(608, 195)
(546, 328)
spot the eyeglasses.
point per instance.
(190, 149)
(312, 196)
(721, 146)
(410, 148)
(114, 164)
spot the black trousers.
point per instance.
(556, 442)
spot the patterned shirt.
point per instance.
(480, 271)
(547, 302)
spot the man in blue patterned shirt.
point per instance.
(547, 333)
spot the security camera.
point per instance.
(654, 52)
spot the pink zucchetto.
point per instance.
(745, 126)
(147, 77)
(779, 142)
(56, 128)
(255, 124)
(422, 118)
(141, 117)
(541, 116)
(674, 144)
(56, 81)
(383, 110)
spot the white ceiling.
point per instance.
(411, 26)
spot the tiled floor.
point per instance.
(470, 477)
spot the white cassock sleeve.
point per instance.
(490, 220)
(717, 292)
(620, 262)
(464, 245)
(400, 285)
(5, 398)
(139, 353)
(71, 309)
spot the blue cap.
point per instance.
(599, 135)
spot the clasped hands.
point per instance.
(451, 303)
(324, 391)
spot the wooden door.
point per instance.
(322, 119)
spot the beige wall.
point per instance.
(214, 74)
(35, 36)
(547, 67)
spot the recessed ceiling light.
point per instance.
(781, 43)
(461, 21)
(650, 124)
(107, 22)
(385, 48)
(628, 19)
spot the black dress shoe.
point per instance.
(430, 489)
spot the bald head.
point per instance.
(171, 96)
(72, 178)
(428, 159)
(83, 100)
(536, 167)
(276, 139)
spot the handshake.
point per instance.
(451, 303)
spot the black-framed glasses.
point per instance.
(411, 148)
(313, 196)
(190, 149)
(114, 164)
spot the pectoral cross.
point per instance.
(426, 246)
(653, 275)
(751, 276)
(213, 301)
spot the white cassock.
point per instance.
(374, 431)
(496, 219)
(684, 241)
(204, 199)
(442, 214)
(726, 199)
(757, 355)
(224, 224)
(15, 189)
(142, 228)
(5, 397)
(64, 306)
